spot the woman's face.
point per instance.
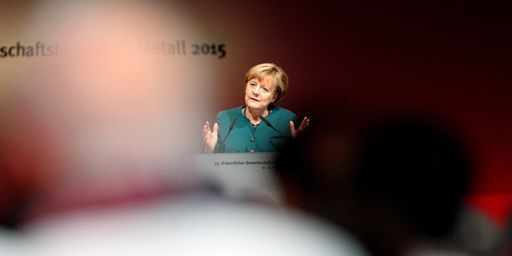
(260, 92)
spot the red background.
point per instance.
(447, 58)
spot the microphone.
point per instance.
(229, 131)
(269, 124)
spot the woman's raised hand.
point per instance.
(210, 137)
(302, 127)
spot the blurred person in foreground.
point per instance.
(239, 130)
(93, 151)
(396, 183)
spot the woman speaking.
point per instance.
(259, 125)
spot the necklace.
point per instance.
(244, 111)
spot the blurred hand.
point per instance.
(302, 127)
(210, 137)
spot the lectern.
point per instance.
(240, 175)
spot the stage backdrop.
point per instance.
(450, 59)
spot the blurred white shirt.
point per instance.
(189, 225)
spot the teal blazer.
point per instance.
(244, 137)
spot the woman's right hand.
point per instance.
(210, 137)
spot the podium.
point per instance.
(240, 175)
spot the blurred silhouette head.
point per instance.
(317, 163)
(106, 112)
(389, 182)
(417, 168)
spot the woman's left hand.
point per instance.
(302, 127)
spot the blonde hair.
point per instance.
(271, 69)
